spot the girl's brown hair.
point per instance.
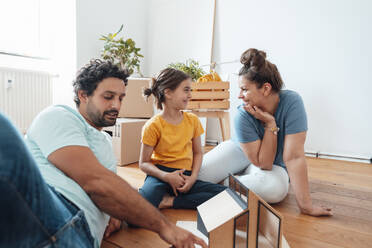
(259, 70)
(168, 78)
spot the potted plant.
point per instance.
(121, 52)
(191, 67)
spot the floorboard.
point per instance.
(346, 187)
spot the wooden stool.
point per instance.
(223, 117)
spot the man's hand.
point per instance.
(112, 226)
(175, 180)
(189, 182)
(179, 237)
(315, 210)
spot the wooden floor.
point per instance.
(346, 187)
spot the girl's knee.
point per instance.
(153, 190)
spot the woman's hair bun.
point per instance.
(253, 58)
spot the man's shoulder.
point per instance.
(61, 113)
(57, 117)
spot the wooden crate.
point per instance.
(210, 95)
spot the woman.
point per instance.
(270, 131)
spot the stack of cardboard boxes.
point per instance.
(134, 112)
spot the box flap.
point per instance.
(219, 209)
(200, 225)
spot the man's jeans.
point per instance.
(33, 214)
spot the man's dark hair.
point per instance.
(92, 74)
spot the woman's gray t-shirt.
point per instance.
(290, 117)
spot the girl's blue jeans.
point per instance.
(154, 190)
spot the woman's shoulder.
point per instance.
(290, 97)
(243, 117)
(289, 93)
(242, 113)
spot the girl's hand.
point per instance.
(317, 211)
(265, 117)
(189, 182)
(175, 179)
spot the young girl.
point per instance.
(171, 153)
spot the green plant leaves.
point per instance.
(121, 52)
(191, 67)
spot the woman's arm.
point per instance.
(262, 152)
(294, 159)
(174, 179)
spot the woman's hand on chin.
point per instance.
(265, 117)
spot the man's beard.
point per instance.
(99, 120)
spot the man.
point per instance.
(70, 202)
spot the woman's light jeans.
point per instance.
(228, 157)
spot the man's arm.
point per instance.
(294, 159)
(115, 196)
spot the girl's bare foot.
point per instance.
(166, 202)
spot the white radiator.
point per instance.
(23, 94)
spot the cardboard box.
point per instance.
(237, 217)
(126, 139)
(134, 104)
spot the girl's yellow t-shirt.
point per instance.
(172, 143)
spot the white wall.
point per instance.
(95, 18)
(64, 51)
(323, 51)
(179, 30)
(54, 25)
